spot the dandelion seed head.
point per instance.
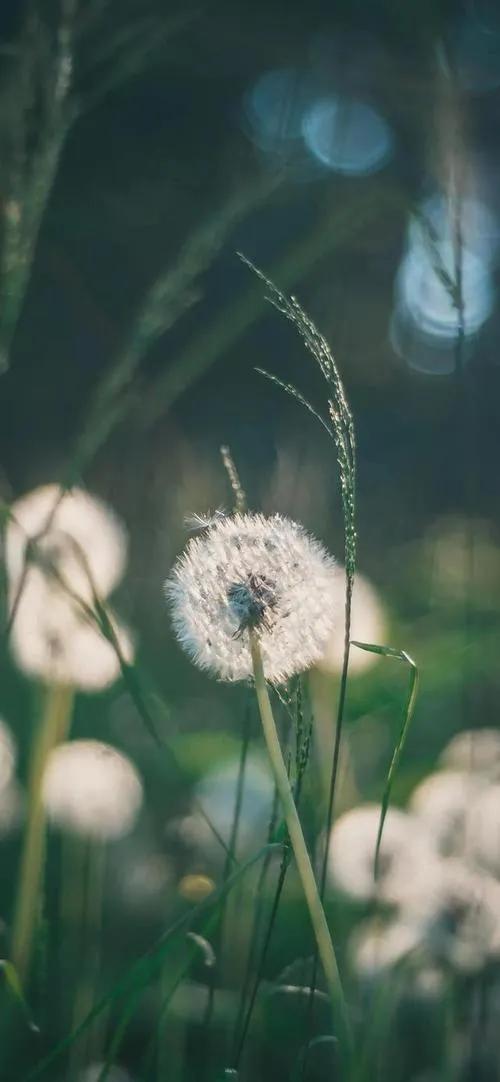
(458, 916)
(12, 808)
(142, 879)
(69, 531)
(93, 1073)
(474, 750)
(217, 794)
(368, 624)
(198, 521)
(7, 756)
(445, 803)
(251, 572)
(484, 831)
(55, 643)
(92, 789)
(377, 946)
(406, 856)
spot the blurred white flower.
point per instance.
(144, 880)
(93, 1072)
(379, 945)
(92, 789)
(445, 802)
(461, 554)
(217, 792)
(459, 917)
(406, 859)
(368, 624)
(216, 795)
(7, 755)
(249, 571)
(55, 642)
(70, 530)
(474, 750)
(12, 806)
(484, 832)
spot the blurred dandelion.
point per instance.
(484, 839)
(475, 750)
(7, 756)
(406, 854)
(65, 526)
(217, 794)
(92, 789)
(59, 645)
(445, 803)
(458, 917)
(368, 624)
(142, 878)
(455, 565)
(252, 572)
(63, 552)
(94, 1072)
(12, 806)
(377, 946)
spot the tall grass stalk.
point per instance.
(318, 920)
(53, 728)
(92, 889)
(340, 428)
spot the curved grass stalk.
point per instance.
(398, 655)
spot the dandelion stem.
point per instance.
(52, 729)
(316, 912)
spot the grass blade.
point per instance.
(397, 655)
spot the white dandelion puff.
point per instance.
(368, 624)
(445, 803)
(474, 750)
(376, 947)
(7, 756)
(406, 859)
(198, 521)
(94, 1071)
(56, 643)
(484, 839)
(251, 572)
(12, 808)
(75, 535)
(458, 917)
(90, 788)
(217, 795)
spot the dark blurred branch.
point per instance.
(127, 52)
(37, 110)
(226, 329)
(40, 103)
(173, 292)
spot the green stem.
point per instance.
(92, 887)
(316, 912)
(52, 729)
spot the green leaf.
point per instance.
(13, 983)
(398, 655)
